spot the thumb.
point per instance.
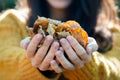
(25, 42)
(92, 46)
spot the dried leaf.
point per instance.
(30, 32)
(73, 24)
(60, 29)
(62, 34)
(42, 31)
(80, 35)
(55, 22)
(51, 29)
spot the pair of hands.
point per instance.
(51, 53)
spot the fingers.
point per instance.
(61, 49)
(71, 53)
(49, 57)
(25, 42)
(92, 46)
(33, 46)
(42, 51)
(43, 57)
(64, 62)
(56, 67)
(80, 51)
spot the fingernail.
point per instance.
(62, 41)
(69, 38)
(22, 43)
(34, 65)
(25, 42)
(38, 36)
(49, 36)
(61, 49)
(27, 39)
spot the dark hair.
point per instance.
(82, 11)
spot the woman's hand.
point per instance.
(77, 55)
(42, 57)
(44, 61)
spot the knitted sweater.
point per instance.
(14, 65)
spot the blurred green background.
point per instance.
(6, 4)
(118, 3)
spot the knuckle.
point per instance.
(28, 54)
(69, 67)
(83, 55)
(85, 58)
(58, 54)
(29, 51)
(74, 59)
(74, 44)
(58, 71)
(35, 63)
(83, 52)
(88, 59)
(45, 64)
(39, 55)
(42, 69)
(80, 65)
(61, 49)
(45, 45)
(66, 67)
(56, 44)
(37, 37)
(53, 64)
(67, 47)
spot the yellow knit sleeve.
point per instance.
(13, 64)
(102, 67)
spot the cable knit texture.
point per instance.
(14, 65)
